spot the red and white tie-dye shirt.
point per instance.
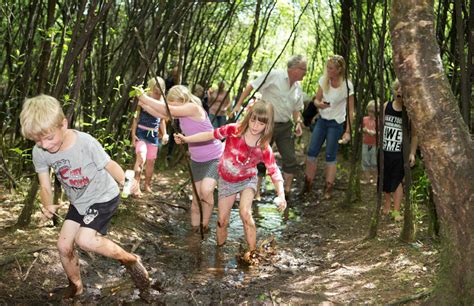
(239, 161)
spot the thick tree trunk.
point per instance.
(444, 141)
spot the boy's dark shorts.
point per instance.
(97, 216)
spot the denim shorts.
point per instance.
(148, 136)
(329, 131)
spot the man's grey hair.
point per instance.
(295, 60)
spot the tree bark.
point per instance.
(25, 216)
(464, 77)
(409, 218)
(444, 141)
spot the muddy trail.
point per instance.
(314, 252)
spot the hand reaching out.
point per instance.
(280, 201)
(412, 159)
(49, 210)
(165, 139)
(179, 138)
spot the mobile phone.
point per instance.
(326, 102)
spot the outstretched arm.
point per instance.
(152, 106)
(157, 108)
(133, 132)
(164, 134)
(199, 137)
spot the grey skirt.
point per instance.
(227, 188)
(205, 169)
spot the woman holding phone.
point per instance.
(334, 92)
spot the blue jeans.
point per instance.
(329, 131)
(219, 121)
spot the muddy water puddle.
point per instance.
(191, 257)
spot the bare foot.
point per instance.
(148, 189)
(67, 292)
(139, 274)
(137, 194)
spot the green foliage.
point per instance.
(419, 189)
(137, 91)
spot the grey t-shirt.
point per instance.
(81, 171)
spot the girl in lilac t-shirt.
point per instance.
(205, 155)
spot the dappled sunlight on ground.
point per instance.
(320, 254)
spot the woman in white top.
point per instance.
(334, 92)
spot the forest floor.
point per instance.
(316, 252)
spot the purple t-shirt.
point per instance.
(201, 151)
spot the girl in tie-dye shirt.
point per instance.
(246, 144)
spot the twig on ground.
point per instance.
(10, 258)
(192, 296)
(271, 298)
(29, 269)
(135, 246)
(172, 205)
(411, 298)
(19, 266)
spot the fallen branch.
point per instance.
(414, 297)
(29, 269)
(172, 205)
(10, 258)
(135, 246)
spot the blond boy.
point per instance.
(89, 178)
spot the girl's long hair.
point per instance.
(340, 63)
(182, 94)
(262, 112)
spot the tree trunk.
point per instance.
(25, 216)
(470, 60)
(444, 141)
(353, 189)
(46, 49)
(248, 62)
(409, 218)
(379, 109)
(464, 77)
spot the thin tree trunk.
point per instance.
(464, 76)
(249, 60)
(46, 49)
(379, 110)
(353, 190)
(445, 142)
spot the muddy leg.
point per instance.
(69, 258)
(225, 205)
(250, 229)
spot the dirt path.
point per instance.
(319, 254)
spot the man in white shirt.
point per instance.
(283, 90)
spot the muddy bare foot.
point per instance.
(139, 274)
(68, 292)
